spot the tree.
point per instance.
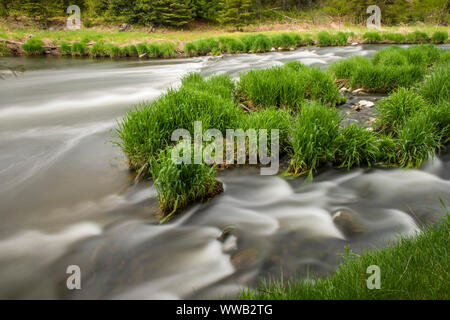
(235, 12)
(175, 13)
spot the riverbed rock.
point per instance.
(347, 223)
(366, 103)
(358, 91)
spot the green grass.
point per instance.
(354, 147)
(411, 269)
(436, 87)
(33, 46)
(372, 37)
(313, 137)
(394, 37)
(179, 185)
(261, 43)
(418, 140)
(79, 49)
(144, 131)
(440, 37)
(287, 86)
(417, 37)
(270, 119)
(4, 51)
(230, 45)
(344, 69)
(393, 111)
(284, 41)
(66, 49)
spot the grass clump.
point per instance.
(284, 41)
(355, 146)
(386, 78)
(261, 43)
(143, 132)
(230, 45)
(142, 48)
(286, 86)
(421, 262)
(436, 87)
(313, 136)
(418, 139)
(417, 37)
(344, 69)
(394, 37)
(324, 39)
(372, 37)
(190, 49)
(397, 107)
(167, 50)
(33, 46)
(4, 50)
(269, 119)
(178, 185)
(99, 49)
(439, 37)
(79, 49)
(65, 48)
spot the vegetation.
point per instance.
(355, 147)
(231, 13)
(413, 121)
(179, 185)
(388, 69)
(33, 46)
(287, 86)
(413, 268)
(313, 137)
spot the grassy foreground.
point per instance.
(412, 269)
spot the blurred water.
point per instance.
(67, 197)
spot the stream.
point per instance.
(68, 198)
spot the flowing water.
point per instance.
(67, 197)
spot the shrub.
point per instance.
(313, 136)
(372, 37)
(65, 48)
(355, 146)
(440, 37)
(33, 46)
(436, 88)
(418, 139)
(79, 49)
(178, 185)
(397, 107)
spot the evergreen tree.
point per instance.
(235, 12)
(175, 13)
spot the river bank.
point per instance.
(101, 42)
